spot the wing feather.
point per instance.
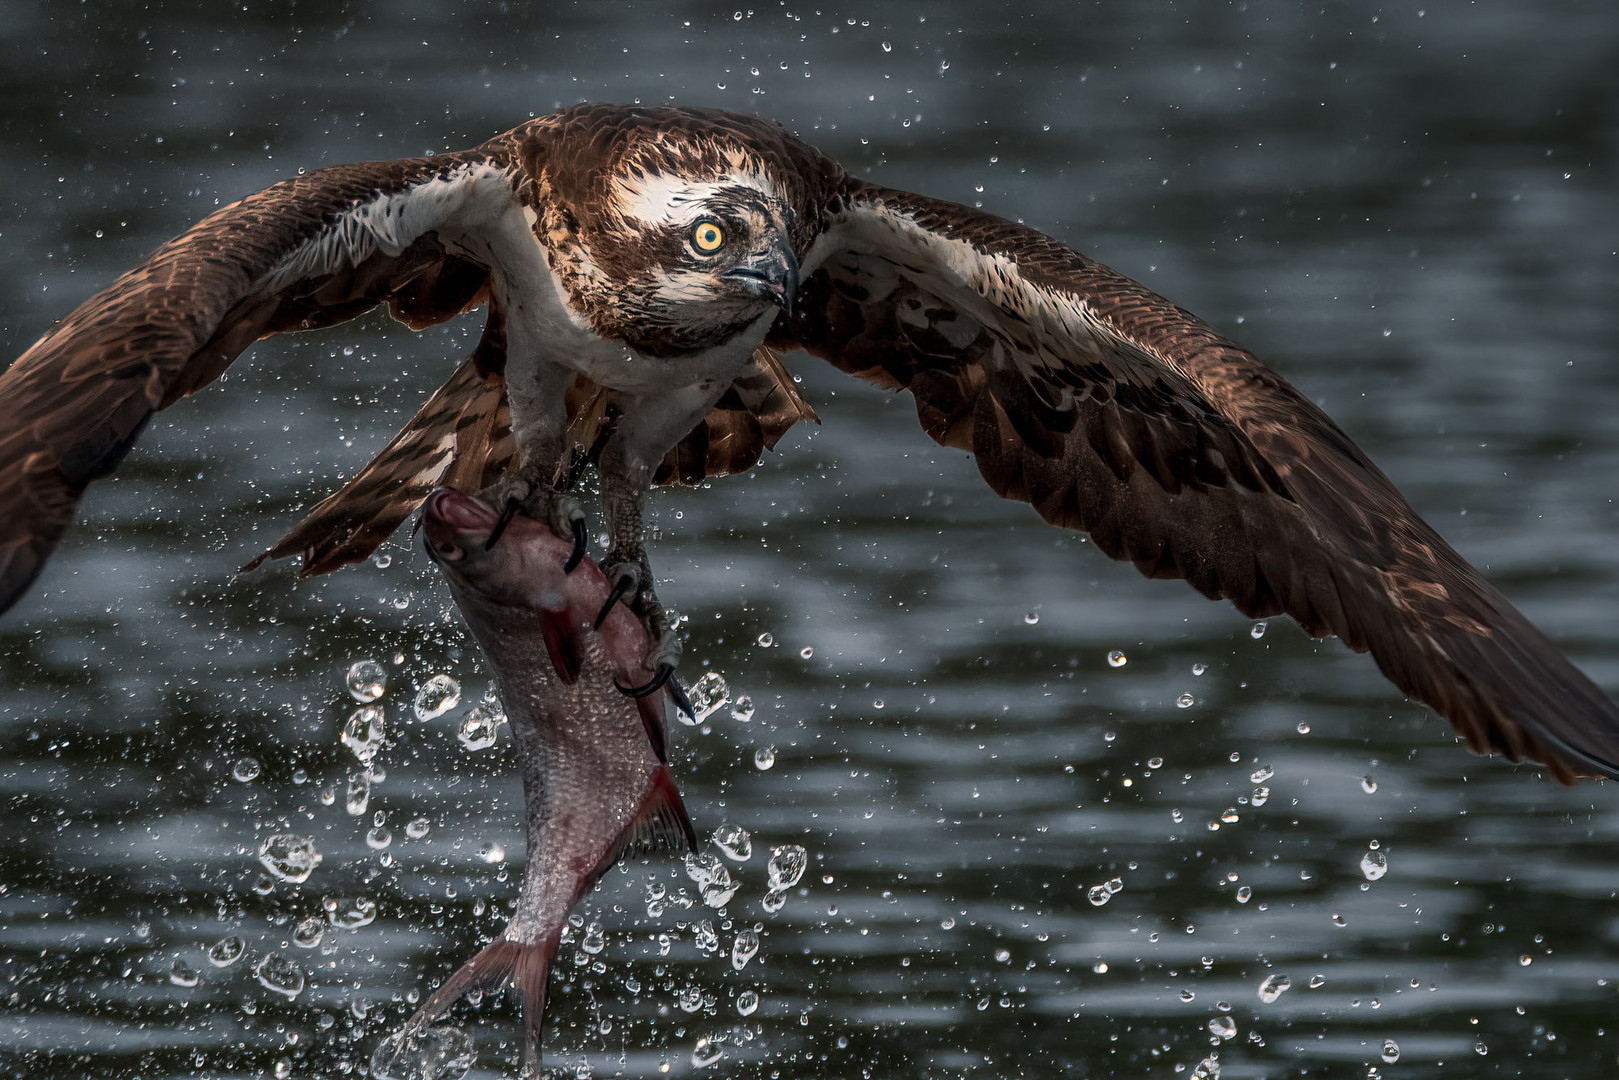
(461, 437)
(307, 252)
(1112, 411)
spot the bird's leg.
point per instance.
(627, 569)
(540, 480)
(651, 424)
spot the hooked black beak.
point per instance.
(771, 272)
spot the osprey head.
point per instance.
(676, 244)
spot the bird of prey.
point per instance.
(643, 268)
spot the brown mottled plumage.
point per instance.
(614, 338)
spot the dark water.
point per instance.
(1412, 212)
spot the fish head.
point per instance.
(524, 569)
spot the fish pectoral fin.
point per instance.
(661, 822)
(651, 709)
(562, 643)
(502, 962)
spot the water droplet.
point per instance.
(378, 838)
(706, 1053)
(308, 932)
(1480, 1049)
(1098, 895)
(712, 878)
(744, 948)
(246, 770)
(1261, 774)
(481, 726)
(350, 913)
(183, 974)
(1274, 987)
(436, 1053)
(888, 46)
(1155, 763)
(804, 654)
(418, 828)
(276, 973)
(1317, 981)
(743, 709)
(1223, 1028)
(734, 841)
(1198, 669)
(1304, 727)
(289, 857)
(747, 1003)
(765, 640)
(595, 939)
(708, 695)
(437, 696)
(787, 866)
(704, 937)
(773, 901)
(1391, 1051)
(383, 560)
(764, 758)
(1368, 785)
(1032, 618)
(358, 796)
(367, 679)
(491, 852)
(1185, 701)
(1258, 631)
(226, 951)
(1260, 796)
(1229, 815)
(364, 732)
(1374, 864)
(1244, 894)
(1117, 659)
(1525, 960)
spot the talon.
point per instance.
(664, 673)
(504, 520)
(625, 584)
(577, 555)
(682, 702)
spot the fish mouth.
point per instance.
(448, 516)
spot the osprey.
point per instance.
(643, 267)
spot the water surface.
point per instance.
(1411, 213)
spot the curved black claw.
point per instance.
(623, 586)
(664, 673)
(682, 702)
(578, 552)
(504, 520)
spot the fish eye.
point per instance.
(707, 236)
(448, 552)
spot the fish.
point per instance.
(590, 725)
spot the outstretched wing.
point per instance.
(1116, 413)
(307, 252)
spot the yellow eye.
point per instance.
(707, 237)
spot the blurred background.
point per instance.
(1057, 820)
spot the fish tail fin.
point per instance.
(502, 962)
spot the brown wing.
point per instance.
(307, 252)
(461, 438)
(1116, 413)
